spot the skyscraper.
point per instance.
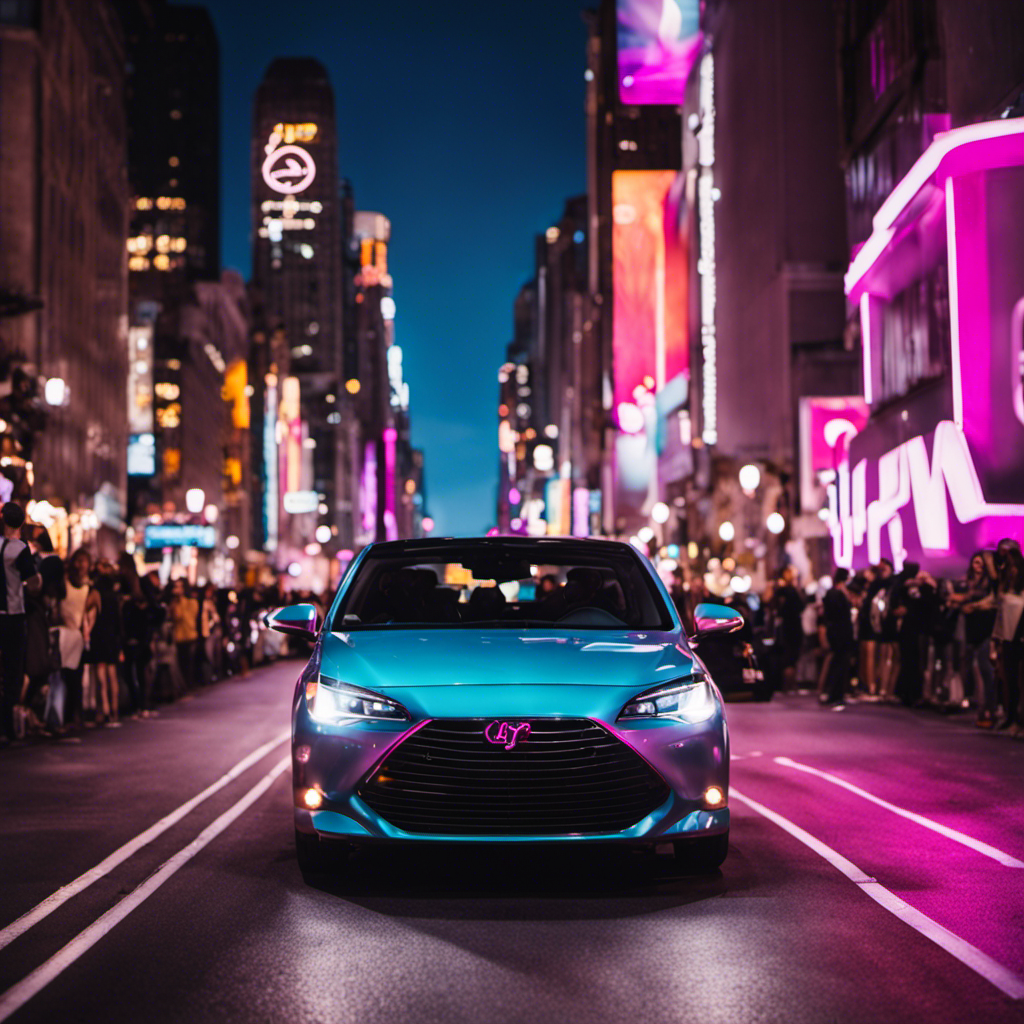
(63, 221)
(297, 255)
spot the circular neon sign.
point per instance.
(289, 169)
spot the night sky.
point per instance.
(463, 122)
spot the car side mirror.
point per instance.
(714, 618)
(295, 620)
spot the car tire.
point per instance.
(702, 856)
(310, 853)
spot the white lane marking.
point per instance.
(17, 995)
(944, 830)
(1004, 979)
(122, 853)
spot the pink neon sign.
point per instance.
(506, 734)
(939, 495)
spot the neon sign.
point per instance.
(706, 265)
(966, 493)
(287, 169)
(506, 734)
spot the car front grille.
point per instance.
(569, 776)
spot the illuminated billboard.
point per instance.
(659, 42)
(944, 478)
(827, 425)
(649, 283)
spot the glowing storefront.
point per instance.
(938, 472)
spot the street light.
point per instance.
(750, 477)
(195, 499)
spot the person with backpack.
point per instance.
(17, 572)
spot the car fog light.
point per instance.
(713, 796)
(302, 754)
(312, 798)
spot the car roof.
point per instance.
(427, 545)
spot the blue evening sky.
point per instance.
(464, 123)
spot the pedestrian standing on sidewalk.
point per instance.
(978, 604)
(789, 607)
(1009, 631)
(184, 613)
(17, 571)
(106, 647)
(837, 611)
(78, 608)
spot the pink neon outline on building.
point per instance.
(906, 476)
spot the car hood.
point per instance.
(470, 672)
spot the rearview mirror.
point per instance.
(295, 620)
(714, 618)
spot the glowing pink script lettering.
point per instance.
(505, 733)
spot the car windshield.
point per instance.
(502, 584)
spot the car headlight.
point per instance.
(334, 703)
(689, 700)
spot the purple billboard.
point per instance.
(933, 489)
(659, 42)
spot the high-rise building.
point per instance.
(547, 434)
(175, 381)
(765, 213)
(63, 224)
(173, 96)
(633, 163)
(297, 268)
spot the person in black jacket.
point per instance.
(17, 571)
(838, 614)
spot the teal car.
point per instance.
(507, 689)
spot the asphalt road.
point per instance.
(831, 907)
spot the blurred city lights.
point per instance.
(631, 418)
(727, 531)
(543, 458)
(427, 524)
(775, 523)
(195, 499)
(294, 569)
(660, 512)
(232, 542)
(514, 497)
(750, 477)
(352, 386)
(211, 512)
(323, 534)
(55, 391)
(645, 534)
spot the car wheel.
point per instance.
(702, 856)
(310, 853)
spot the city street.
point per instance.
(901, 899)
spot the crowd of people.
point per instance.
(907, 637)
(86, 642)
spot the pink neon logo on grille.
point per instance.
(505, 733)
